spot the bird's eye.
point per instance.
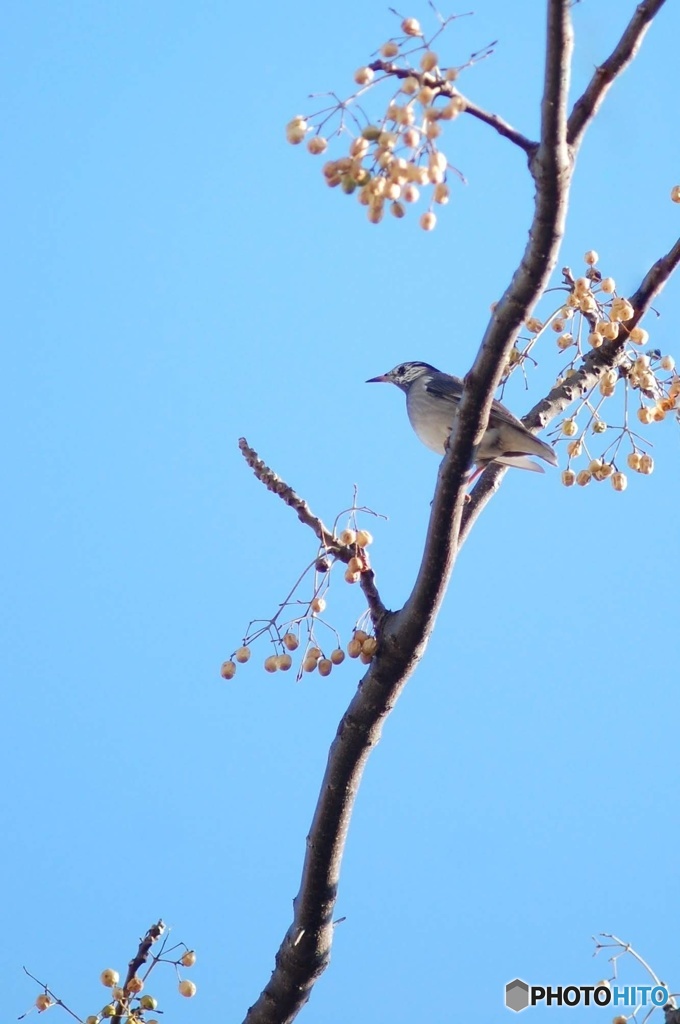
(401, 370)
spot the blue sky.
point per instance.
(177, 276)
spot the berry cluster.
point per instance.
(390, 159)
(302, 633)
(591, 314)
(126, 1002)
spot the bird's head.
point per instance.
(403, 375)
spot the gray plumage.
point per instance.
(432, 400)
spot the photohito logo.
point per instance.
(519, 995)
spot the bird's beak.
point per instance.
(382, 379)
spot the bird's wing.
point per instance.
(450, 388)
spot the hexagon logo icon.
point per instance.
(517, 995)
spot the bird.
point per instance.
(432, 400)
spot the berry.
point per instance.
(595, 339)
(271, 663)
(639, 335)
(584, 478)
(389, 49)
(43, 1001)
(148, 1003)
(325, 666)
(675, 194)
(309, 664)
(621, 309)
(608, 285)
(428, 221)
(108, 1011)
(283, 662)
(645, 414)
(369, 646)
(398, 210)
(187, 988)
(441, 193)
(667, 363)
(610, 331)
(410, 194)
(646, 464)
(317, 145)
(290, 641)
(633, 461)
(354, 648)
(411, 27)
(568, 477)
(228, 671)
(429, 60)
(352, 577)
(599, 427)
(574, 449)
(109, 977)
(337, 656)
(565, 340)
(189, 958)
(591, 257)
(348, 537)
(619, 481)
(317, 605)
(569, 428)
(242, 655)
(364, 538)
(135, 985)
(363, 76)
(533, 325)
(296, 129)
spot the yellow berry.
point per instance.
(354, 648)
(135, 985)
(574, 449)
(271, 663)
(117, 992)
(633, 461)
(584, 478)
(43, 1001)
(365, 659)
(398, 210)
(411, 27)
(356, 564)
(599, 427)
(93, 1019)
(433, 130)
(558, 326)
(428, 221)
(296, 129)
(189, 958)
(410, 85)
(364, 538)
(325, 666)
(242, 655)
(108, 1011)
(309, 664)
(337, 656)
(565, 340)
(675, 194)
(591, 257)
(533, 325)
(569, 428)
(639, 335)
(360, 635)
(410, 194)
(595, 339)
(283, 662)
(109, 977)
(581, 285)
(645, 414)
(362, 76)
(621, 309)
(426, 95)
(317, 605)
(290, 641)
(568, 477)
(621, 1019)
(187, 988)
(608, 285)
(610, 331)
(668, 363)
(619, 481)
(411, 138)
(352, 577)
(348, 537)
(389, 49)
(369, 645)
(228, 671)
(646, 464)
(429, 60)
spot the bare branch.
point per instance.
(501, 126)
(587, 106)
(343, 552)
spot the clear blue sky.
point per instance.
(176, 276)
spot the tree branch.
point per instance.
(500, 125)
(343, 552)
(587, 106)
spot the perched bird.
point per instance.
(432, 400)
